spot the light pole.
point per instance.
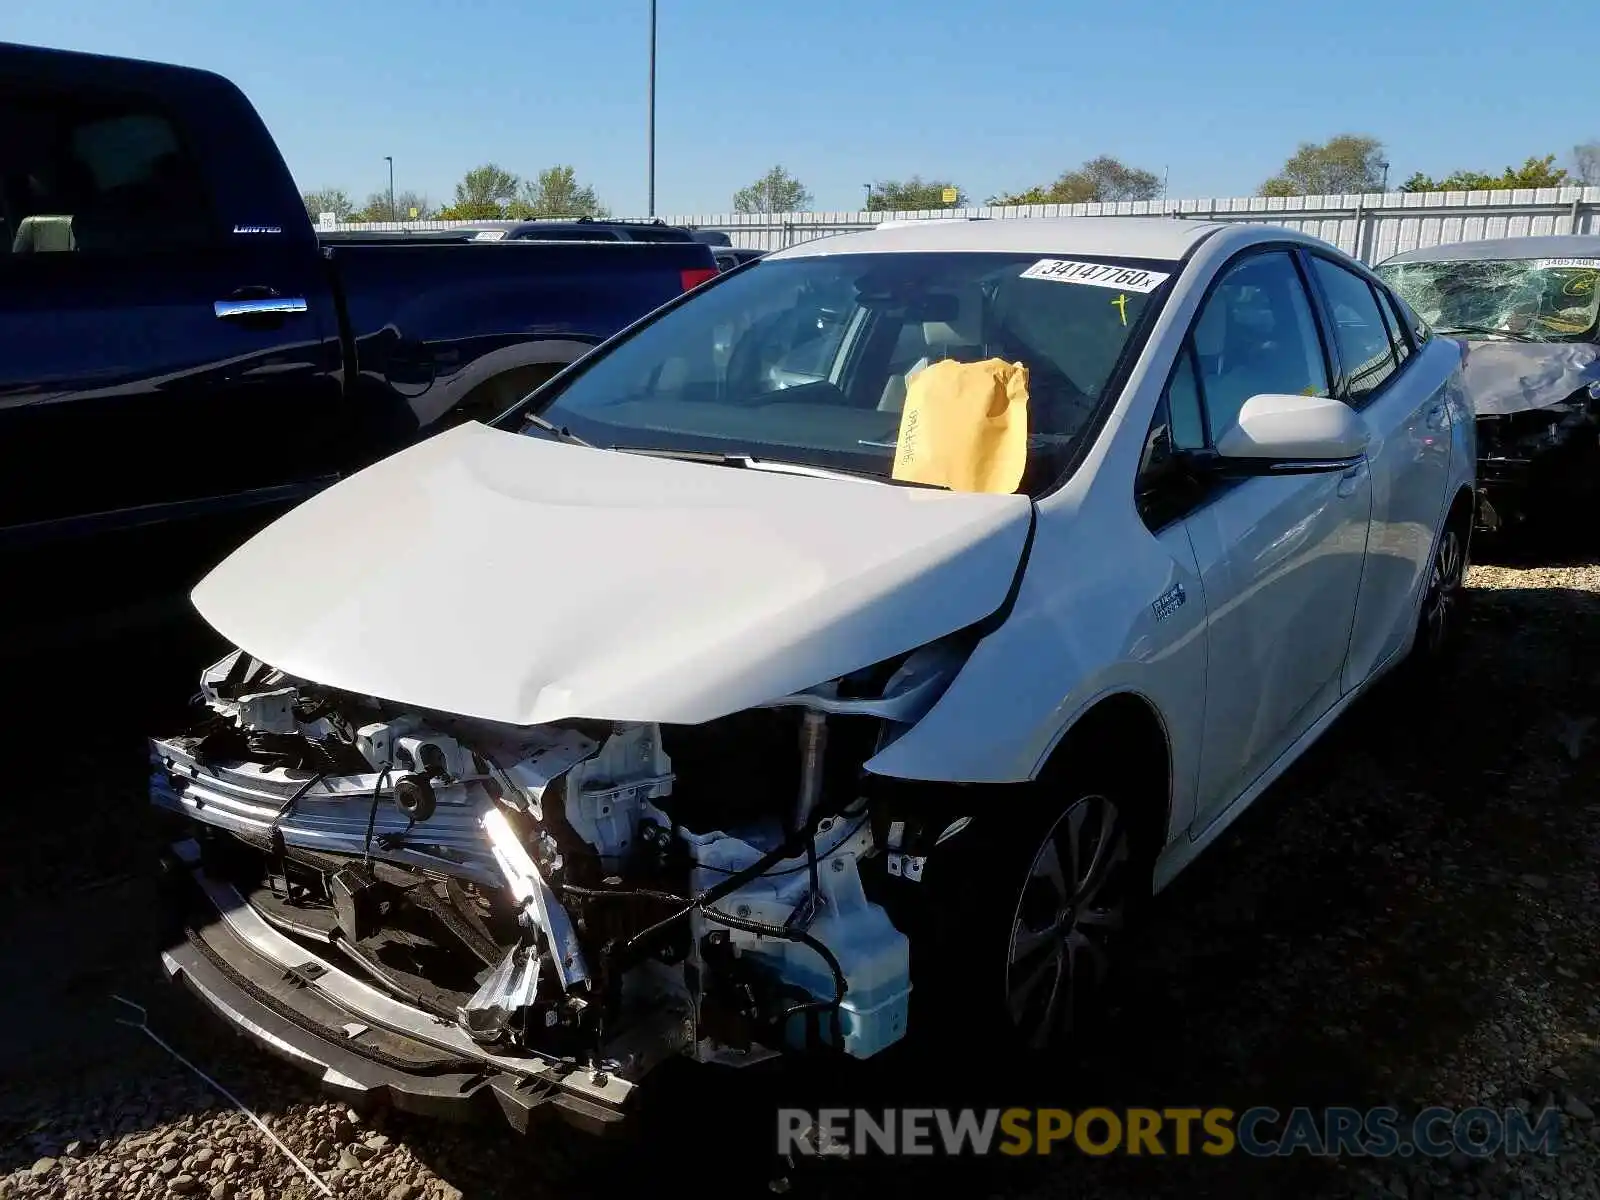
(652, 168)
(1385, 167)
(389, 158)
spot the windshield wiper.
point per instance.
(715, 458)
(751, 463)
(558, 431)
(1514, 335)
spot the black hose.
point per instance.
(275, 850)
(288, 805)
(792, 870)
(589, 893)
(840, 984)
(372, 813)
(711, 895)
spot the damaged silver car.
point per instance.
(1526, 308)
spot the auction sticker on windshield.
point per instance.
(1125, 279)
(1552, 264)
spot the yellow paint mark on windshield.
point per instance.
(1121, 305)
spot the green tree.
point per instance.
(1037, 194)
(1350, 162)
(907, 195)
(404, 202)
(555, 192)
(1586, 163)
(334, 200)
(482, 194)
(775, 192)
(1102, 180)
(377, 207)
(1534, 173)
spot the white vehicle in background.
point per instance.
(659, 718)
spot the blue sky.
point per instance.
(997, 96)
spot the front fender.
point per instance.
(1083, 627)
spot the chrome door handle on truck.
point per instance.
(266, 306)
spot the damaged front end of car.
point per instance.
(451, 915)
(1539, 460)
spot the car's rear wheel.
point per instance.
(1438, 624)
(1028, 914)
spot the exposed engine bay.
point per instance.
(592, 892)
(1548, 452)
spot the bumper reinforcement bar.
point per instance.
(363, 1044)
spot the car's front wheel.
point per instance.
(1030, 907)
(1071, 908)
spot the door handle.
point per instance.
(1351, 479)
(1437, 415)
(263, 306)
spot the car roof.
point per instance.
(1164, 238)
(521, 226)
(1556, 246)
(646, 230)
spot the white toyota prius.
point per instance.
(666, 715)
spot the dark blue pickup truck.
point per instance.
(181, 359)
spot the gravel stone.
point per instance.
(1387, 926)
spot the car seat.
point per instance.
(961, 337)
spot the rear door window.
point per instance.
(89, 176)
(1365, 350)
(1395, 321)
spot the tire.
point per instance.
(1440, 618)
(1024, 937)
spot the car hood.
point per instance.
(1510, 377)
(515, 579)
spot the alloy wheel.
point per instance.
(1073, 903)
(1444, 590)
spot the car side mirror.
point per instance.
(1288, 434)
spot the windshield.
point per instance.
(1530, 299)
(806, 360)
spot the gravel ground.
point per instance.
(1410, 917)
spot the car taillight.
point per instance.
(693, 277)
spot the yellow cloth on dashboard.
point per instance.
(964, 426)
